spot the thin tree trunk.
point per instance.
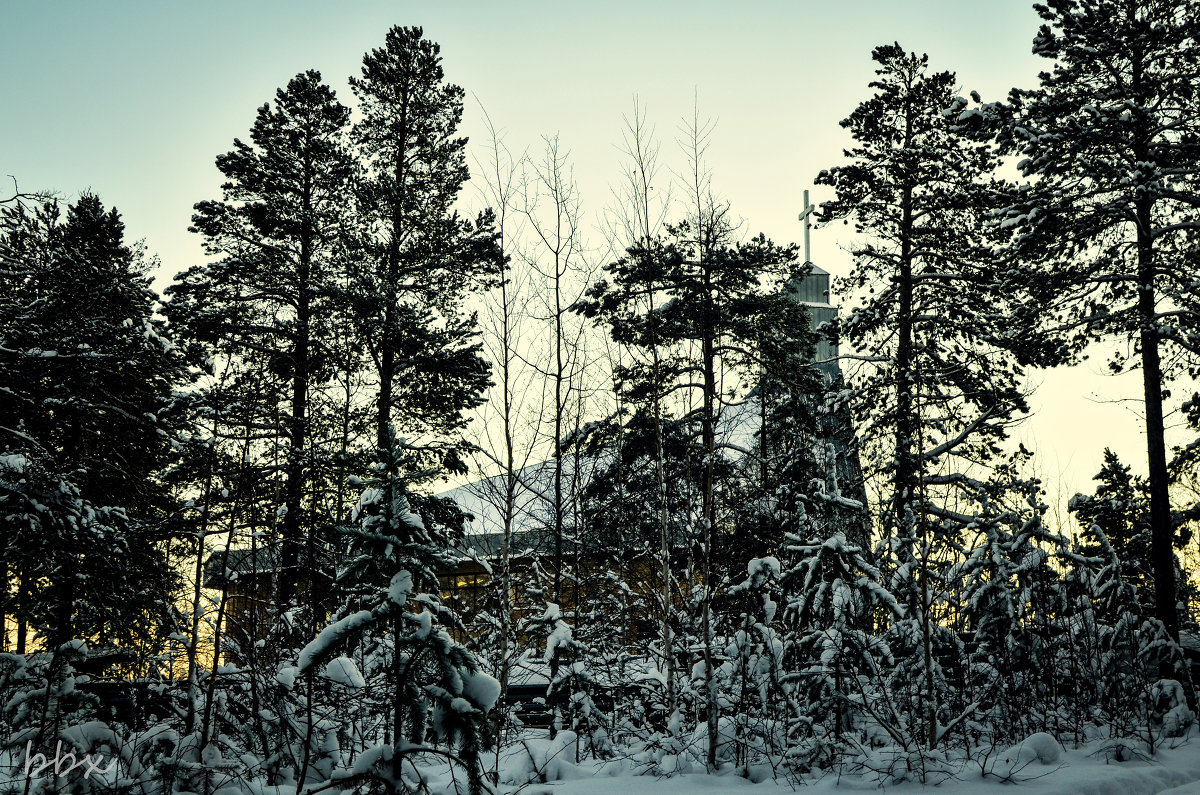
(218, 627)
(510, 482)
(194, 634)
(297, 442)
(906, 497)
(708, 432)
(298, 421)
(22, 607)
(663, 523)
(1161, 531)
(387, 373)
(398, 739)
(5, 600)
(397, 231)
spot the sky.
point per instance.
(134, 100)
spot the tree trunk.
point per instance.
(298, 421)
(5, 600)
(708, 434)
(22, 607)
(387, 372)
(663, 525)
(906, 499)
(1161, 531)
(396, 232)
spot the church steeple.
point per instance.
(813, 292)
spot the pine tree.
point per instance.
(1120, 511)
(1006, 586)
(1110, 145)
(751, 679)
(934, 388)
(834, 657)
(432, 684)
(279, 231)
(419, 256)
(794, 445)
(695, 305)
(1134, 654)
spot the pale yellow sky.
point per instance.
(135, 99)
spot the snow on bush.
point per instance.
(1040, 749)
(481, 688)
(343, 671)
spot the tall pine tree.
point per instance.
(419, 257)
(279, 230)
(934, 389)
(1110, 144)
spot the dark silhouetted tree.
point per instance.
(278, 231)
(88, 414)
(420, 258)
(1104, 229)
(933, 388)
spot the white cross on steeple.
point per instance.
(804, 216)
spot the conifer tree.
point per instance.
(934, 388)
(419, 257)
(794, 447)
(279, 230)
(431, 684)
(713, 299)
(834, 656)
(88, 414)
(1005, 579)
(1120, 509)
(1103, 229)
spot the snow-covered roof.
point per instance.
(483, 499)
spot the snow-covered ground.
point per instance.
(539, 766)
(1085, 771)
